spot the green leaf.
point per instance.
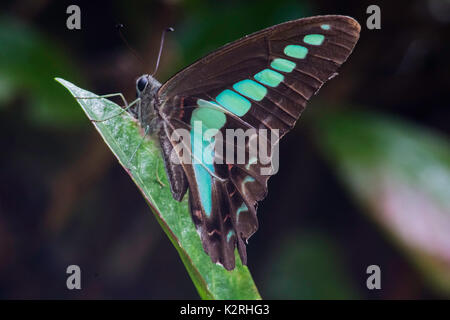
(401, 174)
(122, 134)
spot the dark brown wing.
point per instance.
(261, 81)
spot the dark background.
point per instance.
(64, 199)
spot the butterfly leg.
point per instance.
(126, 105)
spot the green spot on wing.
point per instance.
(202, 157)
(243, 207)
(251, 89)
(283, 65)
(294, 51)
(314, 39)
(211, 118)
(207, 117)
(269, 77)
(248, 179)
(233, 102)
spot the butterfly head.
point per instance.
(146, 90)
(146, 85)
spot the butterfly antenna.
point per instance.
(161, 47)
(119, 29)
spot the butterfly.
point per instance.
(261, 81)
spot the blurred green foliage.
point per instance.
(209, 24)
(311, 268)
(28, 63)
(400, 173)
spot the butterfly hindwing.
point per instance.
(262, 81)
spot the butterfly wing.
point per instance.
(261, 81)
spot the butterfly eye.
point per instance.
(141, 83)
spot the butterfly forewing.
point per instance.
(261, 81)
